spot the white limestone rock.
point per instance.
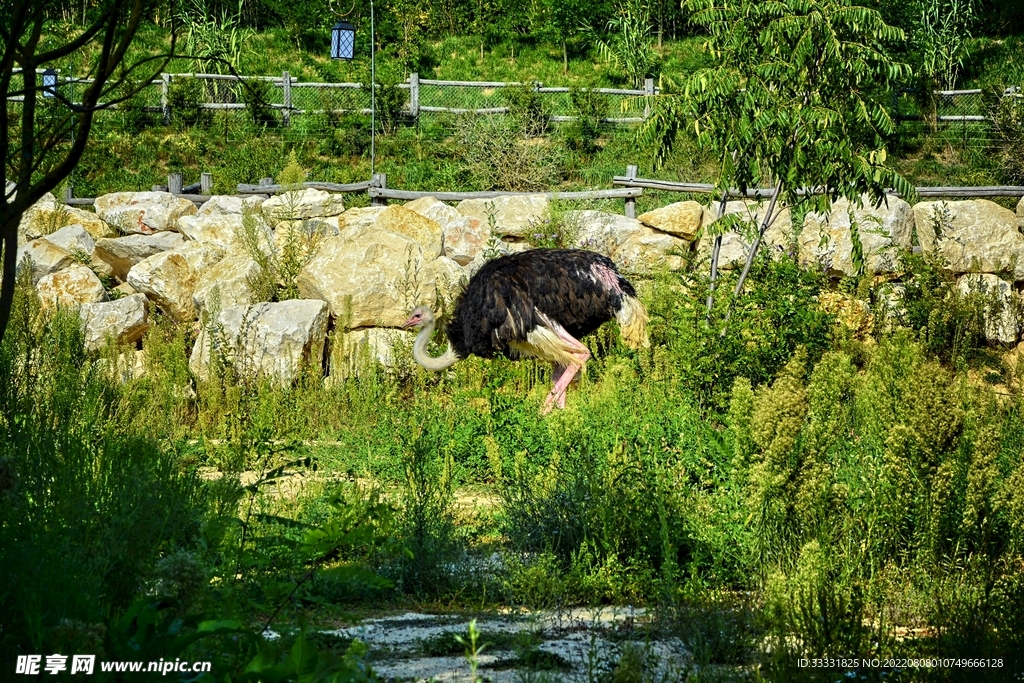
(736, 243)
(44, 258)
(143, 212)
(123, 321)
(369, 279)
(515, 215)
(975, 235)
(170, 277)
(121, 253)
(682, 219)
(228, 205)
(1001, 323)
(272, 340)
(465, 238)
(227, 282)
(71, 287)
(885, 232)
(305, 203)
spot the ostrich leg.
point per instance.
(580, 355)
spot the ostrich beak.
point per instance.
(409, 323)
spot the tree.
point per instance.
(565, 19)
(793, 102)
(629, 46)
(42, 139)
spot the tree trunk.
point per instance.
(565, 57)
(716, 249)
(768, 220)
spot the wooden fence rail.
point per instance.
(764, 192)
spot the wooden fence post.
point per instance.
(174, 183)
(206, 184)
(381, 180)
(165, 104)
(414, 94)
(286, 113)
(648, 95)
(631, 172)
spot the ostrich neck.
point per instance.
(419, 351)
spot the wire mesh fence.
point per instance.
(316, 109)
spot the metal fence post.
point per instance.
(648, 95)
(165, 104)
(286, 113)
(414, 94)
(69, 192)
(174, 183)
(631, 172)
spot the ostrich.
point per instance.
(536, 303)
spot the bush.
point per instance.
(256, 94)
(88, 507)
(500, 156)
(185, 97)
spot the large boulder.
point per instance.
(227, 205)
(122, 321)
(514, 215)
(1001, 323)
(885, 232)
(465, 238)
(421, 230)
(304, 203)
(975, 235)
(450, 277)
(143, 212)
(736, 243)
(121, 253)
(170, 277)
(600, 231)
(651, 249)
(44, 257)
(359, 218)
(300, 234)
(77, 241)
(370, 279)
(48, 215)
(72, 286)
(222, 229)
(354, 351)
(273, 340)
(682, 219)
(227, 283)
(1020, 214)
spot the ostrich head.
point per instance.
(421, 316)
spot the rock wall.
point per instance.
(363, 269)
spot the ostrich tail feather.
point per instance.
(632, 317)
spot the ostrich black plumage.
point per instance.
(536, 303)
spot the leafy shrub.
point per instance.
(1007, 116)
(256, 94)
(527, 108)
(88, 508)
(589, 107)
(390, 103)
(499, 155)
(185, 97)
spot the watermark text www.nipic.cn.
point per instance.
(901, 663)
(32, 665)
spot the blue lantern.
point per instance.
(50, 83)
(343, 40)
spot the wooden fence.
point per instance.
(629, 188)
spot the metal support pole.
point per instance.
(286, 113)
